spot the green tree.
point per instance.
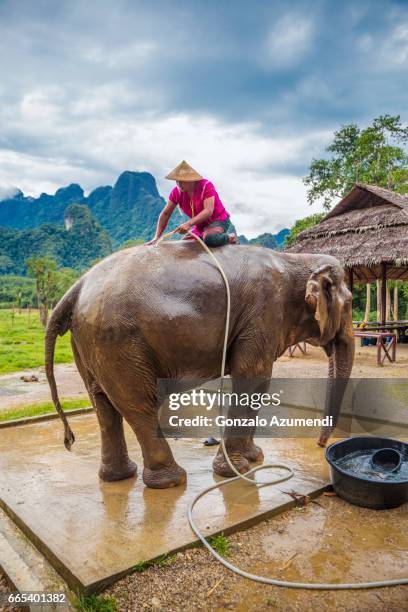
(375, 155)
(85, 240)
(404, 292)
(302, 224)
(6, 264)
(12, 286)
(64, 278)
(43, 270)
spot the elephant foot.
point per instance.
(111, 473)
(322, 441)
(164, 477)
(238, 460)
(324, 436)
(253, 453)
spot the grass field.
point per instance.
(22, 342)
(30, 410)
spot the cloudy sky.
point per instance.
(247, 92)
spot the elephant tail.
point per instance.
(58, 324)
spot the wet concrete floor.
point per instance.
(93, 532)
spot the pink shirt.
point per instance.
(192, 206)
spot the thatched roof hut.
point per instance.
(367, 231)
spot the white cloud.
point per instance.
(35, 175)
(388, 52)
(288, 41)
(123, 56)
(40, 105)
(365, 42)
(106, 99)
(89, 93)
(397, 45)
(356, 12)
(7, 191)
(246, 165)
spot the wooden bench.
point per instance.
(400, 327)
(382, 344)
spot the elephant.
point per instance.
(151, 312)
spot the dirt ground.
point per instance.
(326, 541)
(314, 364)
(15, 392)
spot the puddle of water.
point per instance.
(328, 541)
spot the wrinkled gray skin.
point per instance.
(159, 312)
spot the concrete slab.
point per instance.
(25, 568)
(93, 532)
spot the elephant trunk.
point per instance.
(340, 365)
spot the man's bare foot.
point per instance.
(232, 239)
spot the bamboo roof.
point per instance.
(367, 228)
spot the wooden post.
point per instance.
(388, 304)
(350, 274)
(368, 302)
(395, 309)
(383, 293)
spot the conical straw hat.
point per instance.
(184, 172)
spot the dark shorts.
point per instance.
(214, 240)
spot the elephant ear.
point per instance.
(322, 296)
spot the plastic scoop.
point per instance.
(386, 459)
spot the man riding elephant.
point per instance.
(149, 313)
(197, 198)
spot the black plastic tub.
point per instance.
(364, 490)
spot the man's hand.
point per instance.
(151, 242)
(183, 229)
(162, 222)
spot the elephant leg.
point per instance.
(250, 374)
(115, 462)
(160, 469)
(240, 445)
(132, 382)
